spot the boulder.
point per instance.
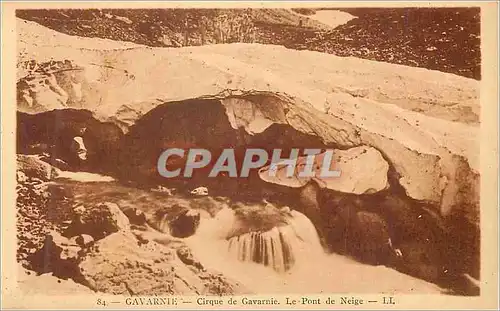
(259, 216)
(21, 177)
(186, 256)
(98, 221)
(200, 191)
(185, 224)
(32, 166)
(118, 265)
(165, 190)
(135, 216)
(58, 255)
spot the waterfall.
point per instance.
(276, 248)
(288, 259)
(269, 248)
(279, 248)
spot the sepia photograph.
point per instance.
(249, 151)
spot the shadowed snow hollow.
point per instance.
(417, 118)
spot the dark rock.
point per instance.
(70, 138)
(135, 216)
(422, 243)
(185, 255)
(58, 255)
(185, 224)
(98, 221)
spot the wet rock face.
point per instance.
(185, 224)
(269, 248)
(393, 230)
(258, 216)
(177, 220)
(72, 136)
(362, 235)
(423, 244)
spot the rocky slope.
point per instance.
(95, 245)
(445, 39)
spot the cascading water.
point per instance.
(289, 258)
(269, 248)
(295, 258)
(277, 248)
